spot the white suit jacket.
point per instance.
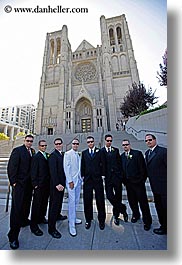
(72, 166)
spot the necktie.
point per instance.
(92, 153)
(45, 155)
(109, 150)
(150, 153)
(29, 150)
(77, 158)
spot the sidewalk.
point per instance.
(126, 236)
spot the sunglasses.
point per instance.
(75, 143)
(148, 140)
(43, 145)
(125, 144)
(90, 142)
(109, 141)
(58, 143)
(29, 141)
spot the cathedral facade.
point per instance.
(82, 91)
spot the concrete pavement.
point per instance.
(126, 236)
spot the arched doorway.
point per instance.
(83, 116)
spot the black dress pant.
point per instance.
(55, 205)
(88, 187)
(113, 187)
(39, 205)
(17, 211)
(27, 200)
(137, 195)
(161, 208)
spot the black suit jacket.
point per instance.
(40, 170)
(134, 167)
(56, 169)
(93, 167)
(19, 165)
(113, 163)
(157, 169)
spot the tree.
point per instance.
(162, 75)
(137, 99)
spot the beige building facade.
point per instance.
(82, 91)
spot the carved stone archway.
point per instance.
(83, 116)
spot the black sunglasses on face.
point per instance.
(29, 141)
(148, 140)
(109, 141)
(125, 144)
(58, 143)
(75, 143)
(43, 145)
(90, 142)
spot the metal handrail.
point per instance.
(143, 130)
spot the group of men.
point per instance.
(45, 177)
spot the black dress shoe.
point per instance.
(87, 225)
(146, 227)
(160, 231)
(37, 232)
(125, 216)
(61, 217)
(14, 244)
(116, 220)
(102, 226)
(25, 223)
(134, 219)
(55, 234)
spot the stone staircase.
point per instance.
(118, 136)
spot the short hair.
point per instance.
(108, 135)
(75, 139)
(126, 140)
(58, 139)
(29, 136)
(90, 137)
(152, 135)
(40, 141)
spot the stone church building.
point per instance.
(81, 91)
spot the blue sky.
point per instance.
(23, 38)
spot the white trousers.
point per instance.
(73, 201)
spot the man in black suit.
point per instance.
(18, 169)
(113, 179)
(92, 170)
(57, 186)
(135, 175)
(156, 161)
(41, 184)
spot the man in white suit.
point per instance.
(72, 166)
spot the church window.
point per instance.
(111, 36)
(58, 50)
(50, 131)
(118, 30)
(52, 51)
(100, 122)
(85, 71)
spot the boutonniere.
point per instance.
(33, 151)
(130, 156)
(112, 149)
(48, 155)
(97, 150)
